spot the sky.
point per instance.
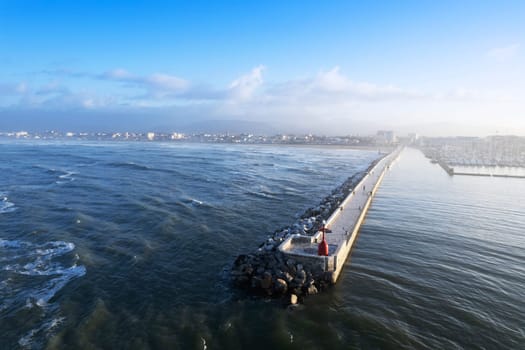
(438, 68)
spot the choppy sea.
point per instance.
(128, 246)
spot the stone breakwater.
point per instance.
(268, 272)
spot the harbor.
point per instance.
(492, 156)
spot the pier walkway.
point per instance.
(343, 225)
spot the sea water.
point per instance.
(128, 245)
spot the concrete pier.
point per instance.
(446, 167)
(343, 226)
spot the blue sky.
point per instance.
(334, 67)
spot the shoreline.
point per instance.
(6, 140)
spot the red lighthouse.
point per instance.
(322, 249)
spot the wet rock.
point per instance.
(311, 290)
(256, 282)
(280, 286)
(294, 283)
(280, 235)
(297, 291)
(240, 260)
(273, 263)
(266, 281)
(287, 277)
(241, 280)
(301, 275)
(248, 270)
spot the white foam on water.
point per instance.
(45, 328)
(12, 244)
(50, 288)
(45, 278)
(5, 205)
(196, 202)
(66, 177)
(41, 264)
(40, 257)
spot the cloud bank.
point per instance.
(504, 54)
(327, 102)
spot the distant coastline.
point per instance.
(360, 142)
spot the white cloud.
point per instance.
(52, 88)
(332, 86)
(244, 87)
(21, 88)
(13, 89)
(157, 84)
(118, 74)
(166, 82)
(462, 94)
(503, 54)
(331, 80)
(328, 101)
(75, 101)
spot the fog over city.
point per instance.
(436, 69)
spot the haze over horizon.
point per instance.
(338, 67)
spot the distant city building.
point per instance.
(21, 134)
(413, 137)
(246, 138)
(385, 137)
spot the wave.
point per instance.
(67, 176)
(30, 259)
(34, 274)
(46, 328)
(58, 176)
(261, 194)
(5, 205)
(196, 202)
(129, 165)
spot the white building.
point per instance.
(385, 137)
